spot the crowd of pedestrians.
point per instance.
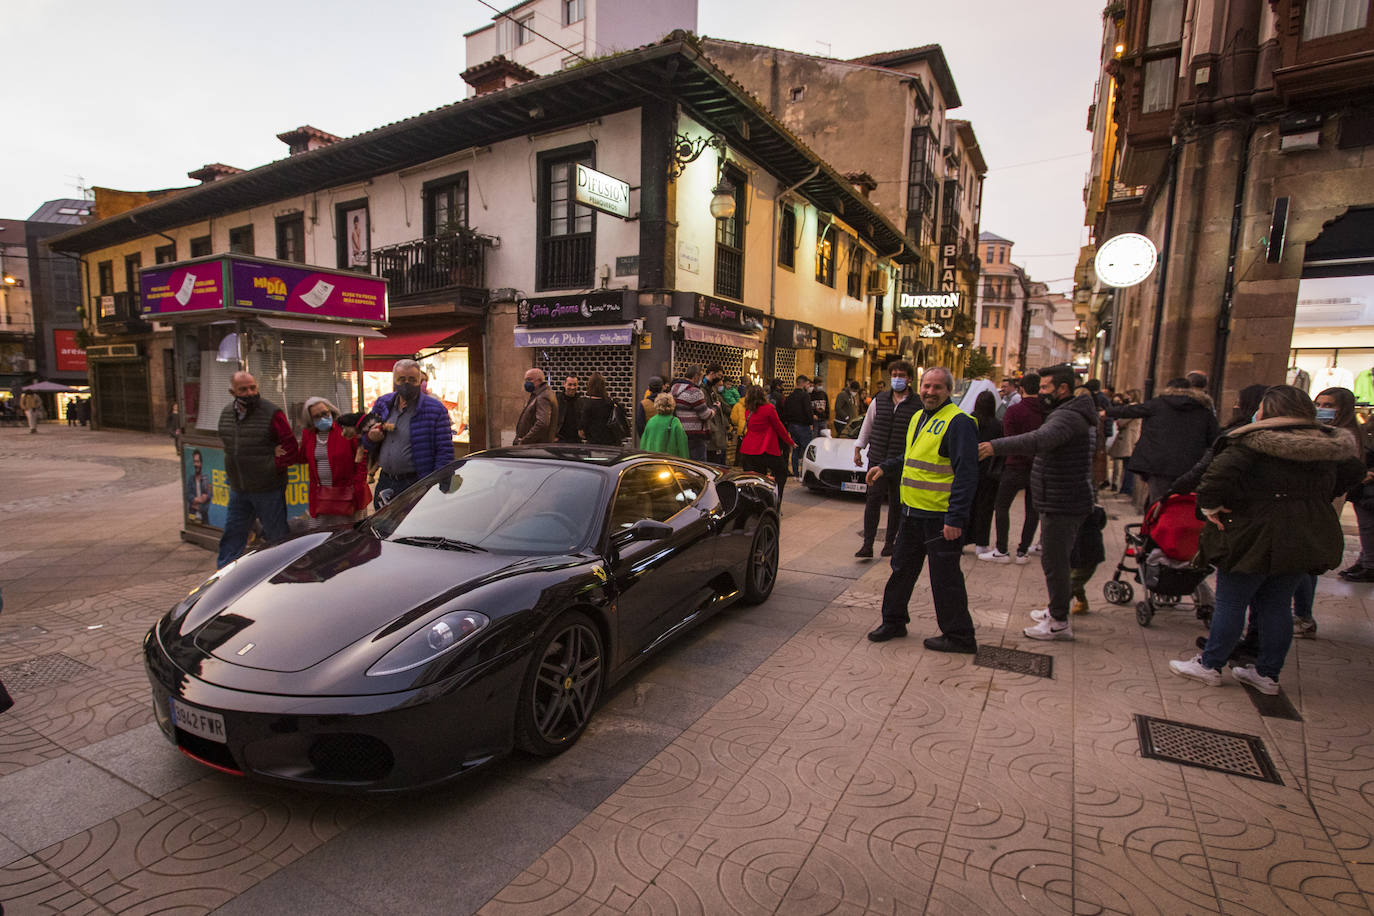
(1284, 462)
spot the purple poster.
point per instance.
(262, 286)
(303, 291)
(190, 288)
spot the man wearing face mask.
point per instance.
(413, 435)
(258, 448)
(1060, 485)
(539, 420)
(884, 435)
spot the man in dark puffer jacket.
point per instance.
(1179, 425)
(1061, 488)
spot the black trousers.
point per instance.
(921, 538)
(764, 463)
(888, 490)
(1014, 480)
(984, 504)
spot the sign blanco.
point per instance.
(929, 301)
(688, 257)
(602, 192)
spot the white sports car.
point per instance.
(828, 464)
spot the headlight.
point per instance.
(428, 643)
(811, 453)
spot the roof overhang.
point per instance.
(674, 69)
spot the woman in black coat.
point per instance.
(1267, 500)
(989, 474)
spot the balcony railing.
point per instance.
(455, 260)
(567, 261)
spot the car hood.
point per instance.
(837, 453)
(306, 608)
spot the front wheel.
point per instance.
(561, 688)
(1118, 592)
(762, 572)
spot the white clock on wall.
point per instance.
(1125, 260)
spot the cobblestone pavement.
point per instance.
(774, 762)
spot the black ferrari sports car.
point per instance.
(486, 608)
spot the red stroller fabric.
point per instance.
(1172, 524)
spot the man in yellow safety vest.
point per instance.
(939, 476)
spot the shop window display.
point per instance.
(448, 381)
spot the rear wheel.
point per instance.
(762, 572)
(1144, 613)
(561, 688)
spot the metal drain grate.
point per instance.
(1015, 660)
(43, 671)
(1208, 748)
(1277, 706)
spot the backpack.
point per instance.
(616, 424)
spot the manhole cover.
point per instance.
(43, 671)
(1208, 748)
(1015, 660)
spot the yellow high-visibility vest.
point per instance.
(928, 476)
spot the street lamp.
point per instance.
(723, 199)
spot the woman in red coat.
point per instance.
(761, 448)
(338, 468)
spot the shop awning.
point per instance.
(605, 335)
(707, 334)
(317, 327)
(381, 354)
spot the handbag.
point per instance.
(335, 500)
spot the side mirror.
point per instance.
(728, 494)
(645, 529)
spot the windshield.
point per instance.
(514, 506)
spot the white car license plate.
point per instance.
(849, 487)
(207, 725)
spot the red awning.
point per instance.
(379, 355)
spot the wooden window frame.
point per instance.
(252, 241)
(165, 254)
(787, 241)
(282, 222)
(544, 162)
(457, 181)
(204, 245)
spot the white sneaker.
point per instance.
(1195, 669)
(1041, 613)
(994, 556)
(1248, 676)
(1049, 629)
(1036, 548)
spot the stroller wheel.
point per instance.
(1144, 613)
(1118, 592)
(1204, 613)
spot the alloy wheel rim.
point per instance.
(765, 557)
(567, 683)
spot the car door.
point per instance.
(660, 583)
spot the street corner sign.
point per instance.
(1125, 260)
(603, 192)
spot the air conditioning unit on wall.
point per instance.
(878, 282)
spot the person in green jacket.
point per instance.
(664, 432)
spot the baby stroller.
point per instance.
(1161, 549)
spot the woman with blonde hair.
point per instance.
(664, 432)
(337, 467)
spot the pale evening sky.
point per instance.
(132, 96)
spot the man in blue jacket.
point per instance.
(414, 435)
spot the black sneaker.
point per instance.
(887, 631)
(887, 550)
(866, 551)
(1357, 574)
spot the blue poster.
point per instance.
(205, 487)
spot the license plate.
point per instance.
(207, 725)
(849, 487)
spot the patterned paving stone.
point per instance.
(28, 886)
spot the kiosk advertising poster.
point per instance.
(236, 283)
(205, 487)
